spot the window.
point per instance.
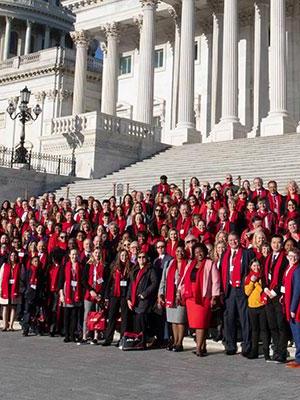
(196, 51)
(125, 65)
(13, 48)
(157, 122)
(159, 58)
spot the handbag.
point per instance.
(132, 341)
(96, 321)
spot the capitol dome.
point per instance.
(27, 26)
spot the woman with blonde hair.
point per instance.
(292, 191)
(258, 239)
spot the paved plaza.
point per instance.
(46, 368)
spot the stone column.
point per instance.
(111, 67)
(175, 14)
(278, 120)
(28, 38)
(216, 79)
(7, 38)
(47, 38)
(144, 111)
(81, 41)
(185, 130)
(261, 65)
(229, 126)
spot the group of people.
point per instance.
(220, 260)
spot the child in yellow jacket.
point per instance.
(256, 310)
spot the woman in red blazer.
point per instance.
(200, 289)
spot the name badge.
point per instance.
(269, 277)
(282, 289)
(123, 283)
(21, 254)
(74, 284)
(181, 231)
(11, 281)
(33, 287)
(99, 281)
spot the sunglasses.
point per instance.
(160, 247)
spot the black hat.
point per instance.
(164, 177)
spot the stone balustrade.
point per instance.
(104, 123)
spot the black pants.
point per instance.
(236, 308)
(52, 312)
(278, 328)
(141, 324)
(115, 305)
(71, 315)
(29, 316)
(259, 329)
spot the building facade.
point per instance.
(207, 70)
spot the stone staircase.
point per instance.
(275, 157)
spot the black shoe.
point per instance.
(230, 352)
(178, 349)
(245, 354)
(197, 353)
(82, 342)
(25, 333)
(170, 346)
(252, 355)
(106, 343)
(94, 342)
(67, 340)
(118, 343)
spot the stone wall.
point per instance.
(18, 182)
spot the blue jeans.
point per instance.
(295, 327)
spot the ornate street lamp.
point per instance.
(24, 115)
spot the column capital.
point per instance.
(149, 3)
(138, 21)
(80, 38)
(175, 12)
(103, 47)
(111, 30)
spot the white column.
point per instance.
(47, 38)
(261, 65)
(216, 81)
(7, 38)
(186, 130)
(144, 111)
(28, 38)
(278, 120)
(229, 126)
(174, 12)
(81, 41)
(110, 70)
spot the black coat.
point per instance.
(147, 288)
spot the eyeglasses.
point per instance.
(141, 257)
(158, 210)
(160, 247)
(190, 241)
(63, 237)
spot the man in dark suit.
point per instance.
(163, 186)
(158, 316)
(234, 269)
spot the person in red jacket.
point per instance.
(71, 294)
(10, 290)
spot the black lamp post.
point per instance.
(24, 115)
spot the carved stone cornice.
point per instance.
(103, 47)
(80, 38)
(76, 5)
(64, 94)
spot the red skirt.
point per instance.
(199, 315)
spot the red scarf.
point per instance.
(10, 281)
(236, 273)
(171, 250)
(249, 276)
(188, 292)
(135, 284)
(53, 277)
(72, 293)
(273, 270)
(117, 278)
(170, 281)
(33, 275)
(288, 284)
(163, 187)
(95, 279)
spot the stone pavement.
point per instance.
(46, 368)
